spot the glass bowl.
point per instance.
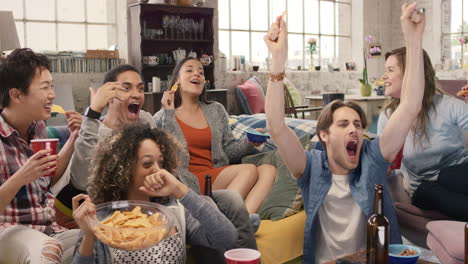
(131, 225)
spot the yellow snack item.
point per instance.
(379, 82)
(284, 13)
(57, 109)
(174, 87)
(462, 92)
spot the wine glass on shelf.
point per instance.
(158, 33)
(165, 25)
(202, 25)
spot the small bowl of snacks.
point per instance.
(256, 136)
(403, 254)
(131, 225)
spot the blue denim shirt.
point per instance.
(316, 182)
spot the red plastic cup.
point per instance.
(47, 143)
(242, 256)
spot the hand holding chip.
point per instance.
(81, 212)
(163, 183)
(167, 99)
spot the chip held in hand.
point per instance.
(57, 109)
(275, 29)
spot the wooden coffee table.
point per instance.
(361, 257)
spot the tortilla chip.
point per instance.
(57, 109)
(462, 92)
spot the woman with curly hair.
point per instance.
(137, 164)
(435, 160)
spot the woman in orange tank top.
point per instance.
(202, 128)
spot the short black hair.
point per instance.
(111, 75)
(17, 71)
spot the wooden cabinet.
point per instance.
(156, 30)
(153, 100)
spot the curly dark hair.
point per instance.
(114, 161)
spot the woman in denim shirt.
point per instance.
(338, 184)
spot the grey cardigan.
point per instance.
(205, 225)
(225, 149)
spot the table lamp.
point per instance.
(8, 36)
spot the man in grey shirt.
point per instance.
(123, 94)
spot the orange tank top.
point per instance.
(199, 147)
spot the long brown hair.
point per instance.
(175, 76)
(431, 88)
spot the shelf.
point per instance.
(177, 40)
(165, 66)
(150, 16)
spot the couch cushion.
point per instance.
(295, 95)
(251, 96)
(243, 123)
(60, 132)
(285, 197)
(281, 241)
(414, 210)
(446, 240)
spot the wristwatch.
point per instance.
(91, 113)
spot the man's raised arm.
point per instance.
(288, 144)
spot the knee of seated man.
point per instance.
(228, 198)
(52, 251)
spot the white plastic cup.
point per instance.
(242, 256)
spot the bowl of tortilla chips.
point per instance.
(131, 225)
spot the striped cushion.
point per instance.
(301, 127)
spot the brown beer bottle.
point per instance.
(466, 244)
(208, 191)
(378, 231)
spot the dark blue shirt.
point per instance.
(316, 182)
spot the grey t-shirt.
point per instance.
(443, 147)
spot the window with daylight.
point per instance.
(243, 23)
(64, 25)
(455, 31)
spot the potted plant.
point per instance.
(312, 48)
(464, 55)
(366, 88)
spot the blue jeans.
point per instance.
(231, 204)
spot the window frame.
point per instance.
(447, 50)
(303, 34)
(56, 23)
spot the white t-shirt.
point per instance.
(342, 224)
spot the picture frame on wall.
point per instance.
(350, 66)
(375, 50)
